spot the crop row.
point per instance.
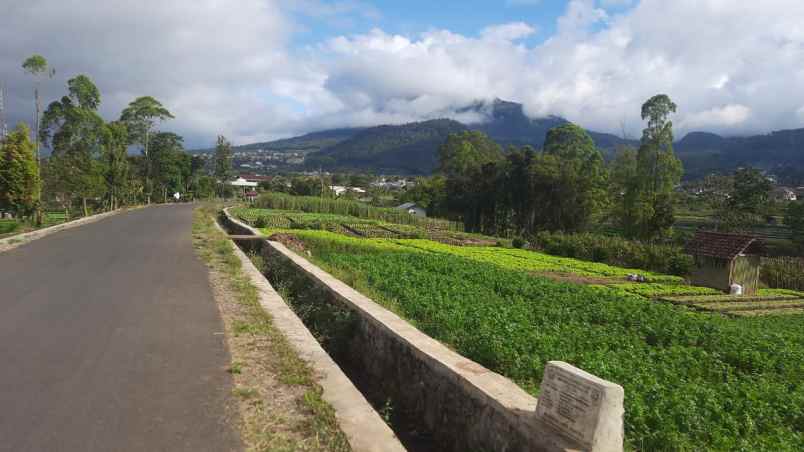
(532, 261)
(313, 204)
(654, 290)
(732, 306)
(283, 219)
(692, 381)
(776, 313)
(727, 298)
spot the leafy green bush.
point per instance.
(518, 243)
(615, 251)
(8, 226)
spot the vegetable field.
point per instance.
(356, 226)
(313, 204)
(693, 380)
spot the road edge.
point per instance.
(9, 243)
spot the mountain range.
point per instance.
(412, 148)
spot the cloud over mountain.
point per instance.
(236, 69)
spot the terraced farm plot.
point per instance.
(703, 299)
(531, 261)
(693, 380)
(343, 224)
(313, 204)
(279, 220)
(782, 303)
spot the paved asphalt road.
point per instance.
(110, 340)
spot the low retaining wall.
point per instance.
(465, 406)
(364, 428)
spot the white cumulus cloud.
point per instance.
(234, 67)
(728, 116)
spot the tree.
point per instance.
(751, 191)
(428, 193)
(170, 165)
(115, 144)
(466, 160)
(624, 189)
(37, 66)
(520, 190)
(140, 117)
(204, 187)
(747, 202)
(76, 133)
(648, 210)
(574, 179)
(19, 174)
(223, 162)
(794, 217)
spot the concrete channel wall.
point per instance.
(465, 406)
(364, 428)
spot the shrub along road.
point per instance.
(110, 339)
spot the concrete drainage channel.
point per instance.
(433, 398)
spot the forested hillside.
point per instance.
(410, 148)
(781, 152)
(310, 142)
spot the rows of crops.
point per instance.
(755, 305)
(766, 232)
(313, 204)
(530, 261)
(343, 224)
(692, 380)
(272, 220)
(656, 290)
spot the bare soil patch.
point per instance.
(289, 240)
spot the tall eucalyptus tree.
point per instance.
(140, 117)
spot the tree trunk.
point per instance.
(147, 169)
(86, 211)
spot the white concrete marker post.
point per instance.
(582, 407)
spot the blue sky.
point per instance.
(412, 17)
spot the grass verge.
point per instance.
(278, 399)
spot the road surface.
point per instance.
(110, 340)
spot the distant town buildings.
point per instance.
(256, 178)
(340, 190)
(391, 184)
(784, 194)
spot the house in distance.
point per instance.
(723, 259)
(413, 209)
